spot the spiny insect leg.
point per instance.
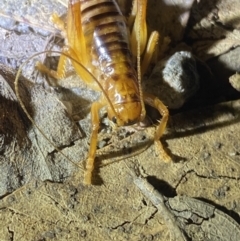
(74, 32)
(139, 30)
(156, 103)
(61, 69)
(58, 22)
(96, 106)
(150, 51)
(133, 14)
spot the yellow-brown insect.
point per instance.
(97, 36)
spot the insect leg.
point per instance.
(60, 73)
(139, 30)
(75, 40)
(96, 106)
(58, 22)
(150, 51)
(133, 14)
(74, 31)
(61, 69)
(156, 103)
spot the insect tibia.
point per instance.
(43, 69)
(60, 73)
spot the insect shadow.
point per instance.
(162, 186)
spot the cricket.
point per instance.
(117, 51)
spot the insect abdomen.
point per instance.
(106, 36)
(107, 40)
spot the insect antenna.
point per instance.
(16, 84)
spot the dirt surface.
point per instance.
(136, 195)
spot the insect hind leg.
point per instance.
(139, 29)
(60, 73)
(58, 22)
(138, 25)
(150, 51)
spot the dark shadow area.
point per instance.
(214, 84)
(96, 177)
(202, 120)
(14, 122)
(124, 153)
(163, 187)
(81, 106)
(215, 88)
(175, 158)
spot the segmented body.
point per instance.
(98, 40)
(107, 41)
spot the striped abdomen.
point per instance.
(107, 40)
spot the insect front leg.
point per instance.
(96, 106)
(157, 104)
